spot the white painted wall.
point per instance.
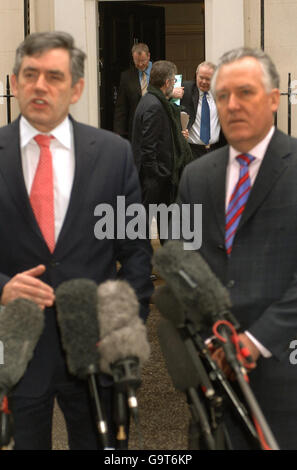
(224, 27)
(11, 34)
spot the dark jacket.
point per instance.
(153, 148)
(261, 273)
(128, 98)
(190, 102)
(104, 169)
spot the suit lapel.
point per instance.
(273, 165)
(12, 172)
(195, 98)
(85, 158)
(217, 185)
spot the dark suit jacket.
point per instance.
(104, 169)
(127, 101)
(261, 273)
(152, 148)
(190, 102)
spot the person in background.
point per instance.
(133, 85)
(159, 147)
(204, 127)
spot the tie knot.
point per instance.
(43, 140)
(245, 159)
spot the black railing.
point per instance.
(290, 95)
(8, 96)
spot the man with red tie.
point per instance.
(248, 194)
(54, 171)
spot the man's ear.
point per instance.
(77, 90)
(274, 97)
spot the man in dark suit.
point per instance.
(193, 102)
(160, 150)
(133, 85)
(251, 246)
(88, 167)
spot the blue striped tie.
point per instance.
(205, 120)
(238, 200)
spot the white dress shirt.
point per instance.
(194, 132)
(232, 176)
(62, 149)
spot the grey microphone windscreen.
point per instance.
(179, 362)
(117, 305)
(193, 283)
(129, 341)
(21, 325)
(122, 332)
(76, 302)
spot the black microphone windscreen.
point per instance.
(179, 362)
(76, 302)
(168, 305)
(122, 332)
(193, 283)
(21, 325)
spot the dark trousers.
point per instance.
(33, 416)
(200, 150)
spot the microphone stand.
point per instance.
(6, 425)
(101, 423)
(217, 374)
(246, 389)
(121, 420)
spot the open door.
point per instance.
(123, 24)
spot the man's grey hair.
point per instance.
(210, 65)
(38, 43)
(139, 48)
(270, 74)
(161, 71)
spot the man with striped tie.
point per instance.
(248, 194)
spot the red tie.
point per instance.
(42, 192)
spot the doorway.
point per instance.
(173, 30)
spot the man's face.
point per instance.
(245, 107)
(141, 60)
(203, 78)
(168, 89)
(44, 88)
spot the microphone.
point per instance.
(206, 301)
(76, 302)
(21, 325)
(198, 290)
(184, 376)
(123, 346)
(170, 308)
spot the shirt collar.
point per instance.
(258, 151)
(62, 132)
(147, 71)
(201, 93)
